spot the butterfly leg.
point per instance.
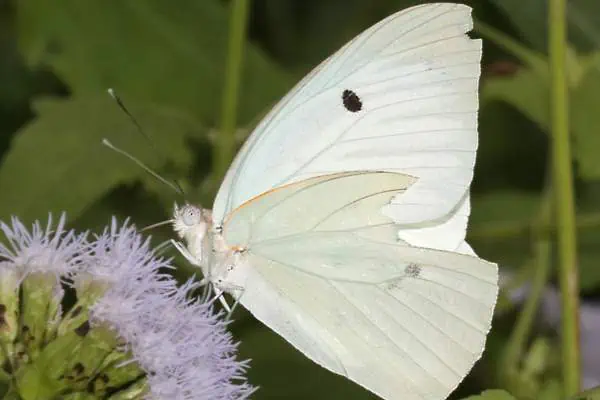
(185, 253)
(221, 296)
(235, 291)
(235, 303)
(194, 261)
(206, 292)
(206, 285)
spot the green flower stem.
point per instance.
(520, 334)
(225, 141)
(563, 192)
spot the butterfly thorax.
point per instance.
(206, 246)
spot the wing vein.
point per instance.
(345, 131)
(384, 47)
(294, 193)
(295, 235)
(395, 190)
(367, 317)
(281, 290)
(453, 289)
(406, 134)
(365, 39)
(431, 324)
(439, 306)
(432, 265)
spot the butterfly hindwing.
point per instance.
(326, 273)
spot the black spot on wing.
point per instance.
(412, 270)
(351, 101)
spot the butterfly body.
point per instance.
(206, 248)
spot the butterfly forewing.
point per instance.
(401, 97)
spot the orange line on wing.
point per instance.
(275, 189)
(338, 174)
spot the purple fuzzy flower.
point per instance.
(131, 326)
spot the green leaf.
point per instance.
(309, 36)
(526, 90)
(499, 226)
(492, 208)
(147, 50)
(509, 145)
(57, 162)
(588, 256)
(492, 394)
(585, 121)
(526, 55)
(500, 230)
(530, 18)
(536, 359)
(584, 23)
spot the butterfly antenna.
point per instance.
(121, 105)
(166, 222)
(173, 186)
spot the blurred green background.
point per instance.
(167, 60)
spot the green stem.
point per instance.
(564, 202)
(225, 142)
(541, 263)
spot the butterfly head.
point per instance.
(191, 222)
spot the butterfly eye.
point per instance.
(190, 215)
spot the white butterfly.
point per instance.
(341, 223)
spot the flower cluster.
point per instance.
(128, 331)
